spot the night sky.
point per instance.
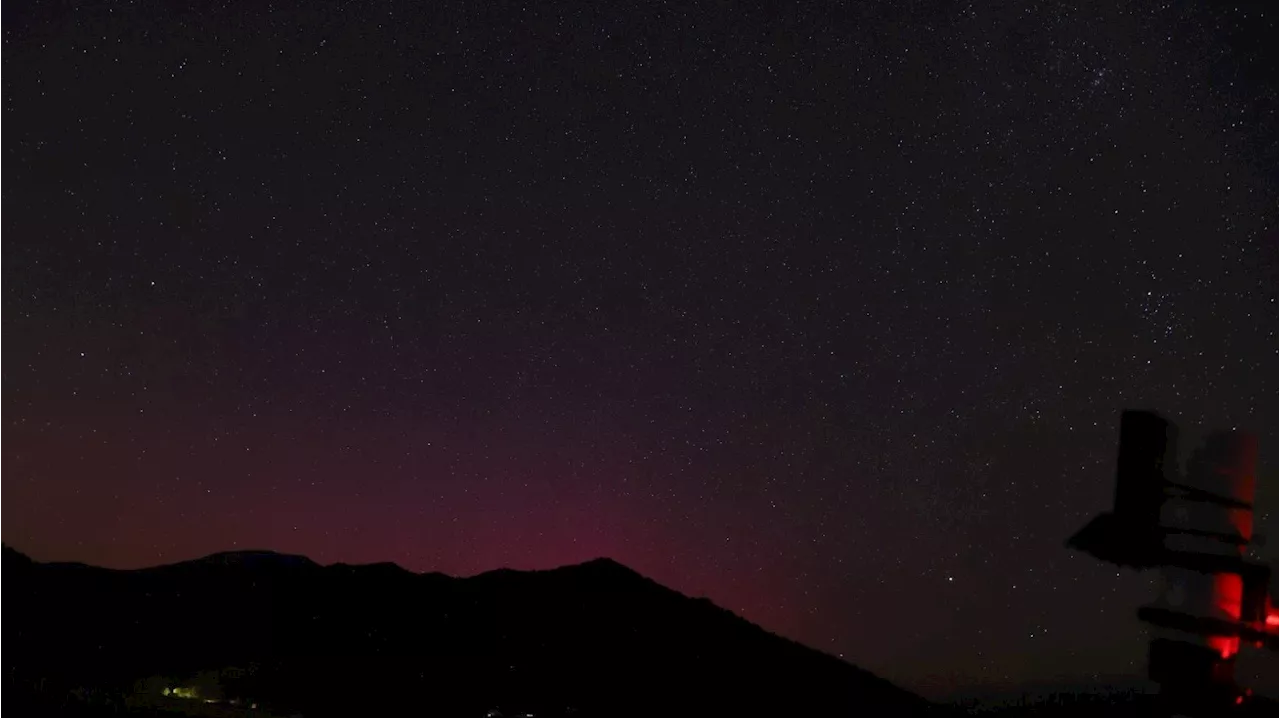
(827, 313)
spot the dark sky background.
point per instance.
(827, 313)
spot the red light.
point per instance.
(1239, 700)
(1228, 597)
(1226, 646)
(1273, 620)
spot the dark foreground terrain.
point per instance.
(1121, 704)
(260, 633)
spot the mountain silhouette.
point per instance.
(290, 636)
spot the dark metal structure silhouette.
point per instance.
(1194, 526)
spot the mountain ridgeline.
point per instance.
(286, 635)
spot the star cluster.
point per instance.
(825, 313)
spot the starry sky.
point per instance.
(824, 311)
